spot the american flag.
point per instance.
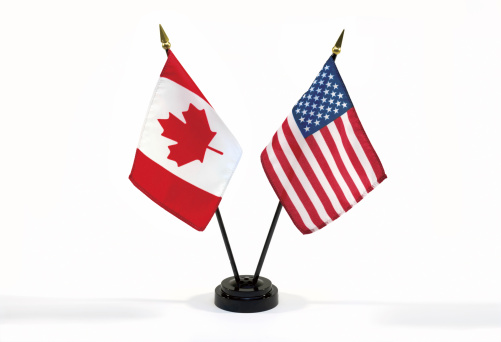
(320, 162)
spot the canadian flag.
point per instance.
(186, 155)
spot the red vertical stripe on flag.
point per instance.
(366, 145)
(317, 153)
(282, 193)
(296, 183)
(333, 148)
(352, 155)
(310, 174)
(182, 199)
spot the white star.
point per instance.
(314, 106)
(344, 105)
(328, 84)
(319, 90)
(315, 82)
(304, 111)
(301, 103)
(321, 107)
(307, 129)
(338, 103)
(331, 77)
(309, 97)
(319, 115)
(316, 98)
(331, 101)
(321, 82)
(326, 116)
(340, 95)
(335, 86)
(326, 67)
(306, 104)
(317, 122)
(304, 95)
(324, 74)
(329, 109)
(301, 119)
(312, 89)
(336, 110)
(309, 121)
(311, 113)
(298, 110)
(324, 99)
(333, 93)
(326, 92)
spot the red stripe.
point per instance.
(182, 199)
(296, 184)
(352, 155)
(174, 71)
(366, 145)
(310, 174)
(282, 194)
(324, 165)
(333, 148)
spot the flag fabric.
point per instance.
(320, 162)
(186, 155)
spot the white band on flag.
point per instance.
(305, 183)
(334, 168)
(290, 190)
(314, 165)
(344, 157)
(359, 151)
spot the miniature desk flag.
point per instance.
(186, 155)
(320, 162)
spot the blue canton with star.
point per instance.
(325, 101)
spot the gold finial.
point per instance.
(337, 48)
(164, 39)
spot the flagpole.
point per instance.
(228, 247)
(267, 243)
(166, 46)
(336, 50)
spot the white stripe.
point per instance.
(310, 157)
(359, 151)
(289, 189)
(334, 168)
(344, 156)
(303, 179)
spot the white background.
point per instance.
(84, 256)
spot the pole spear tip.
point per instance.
(164, 39)
(337, 48)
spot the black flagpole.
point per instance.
(228, 247)
(267, 243)
(336, 50)
(166, 45)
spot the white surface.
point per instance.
(84, 256)
(195, 318)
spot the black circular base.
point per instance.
(246, 297)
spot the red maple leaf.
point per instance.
(193, 137)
